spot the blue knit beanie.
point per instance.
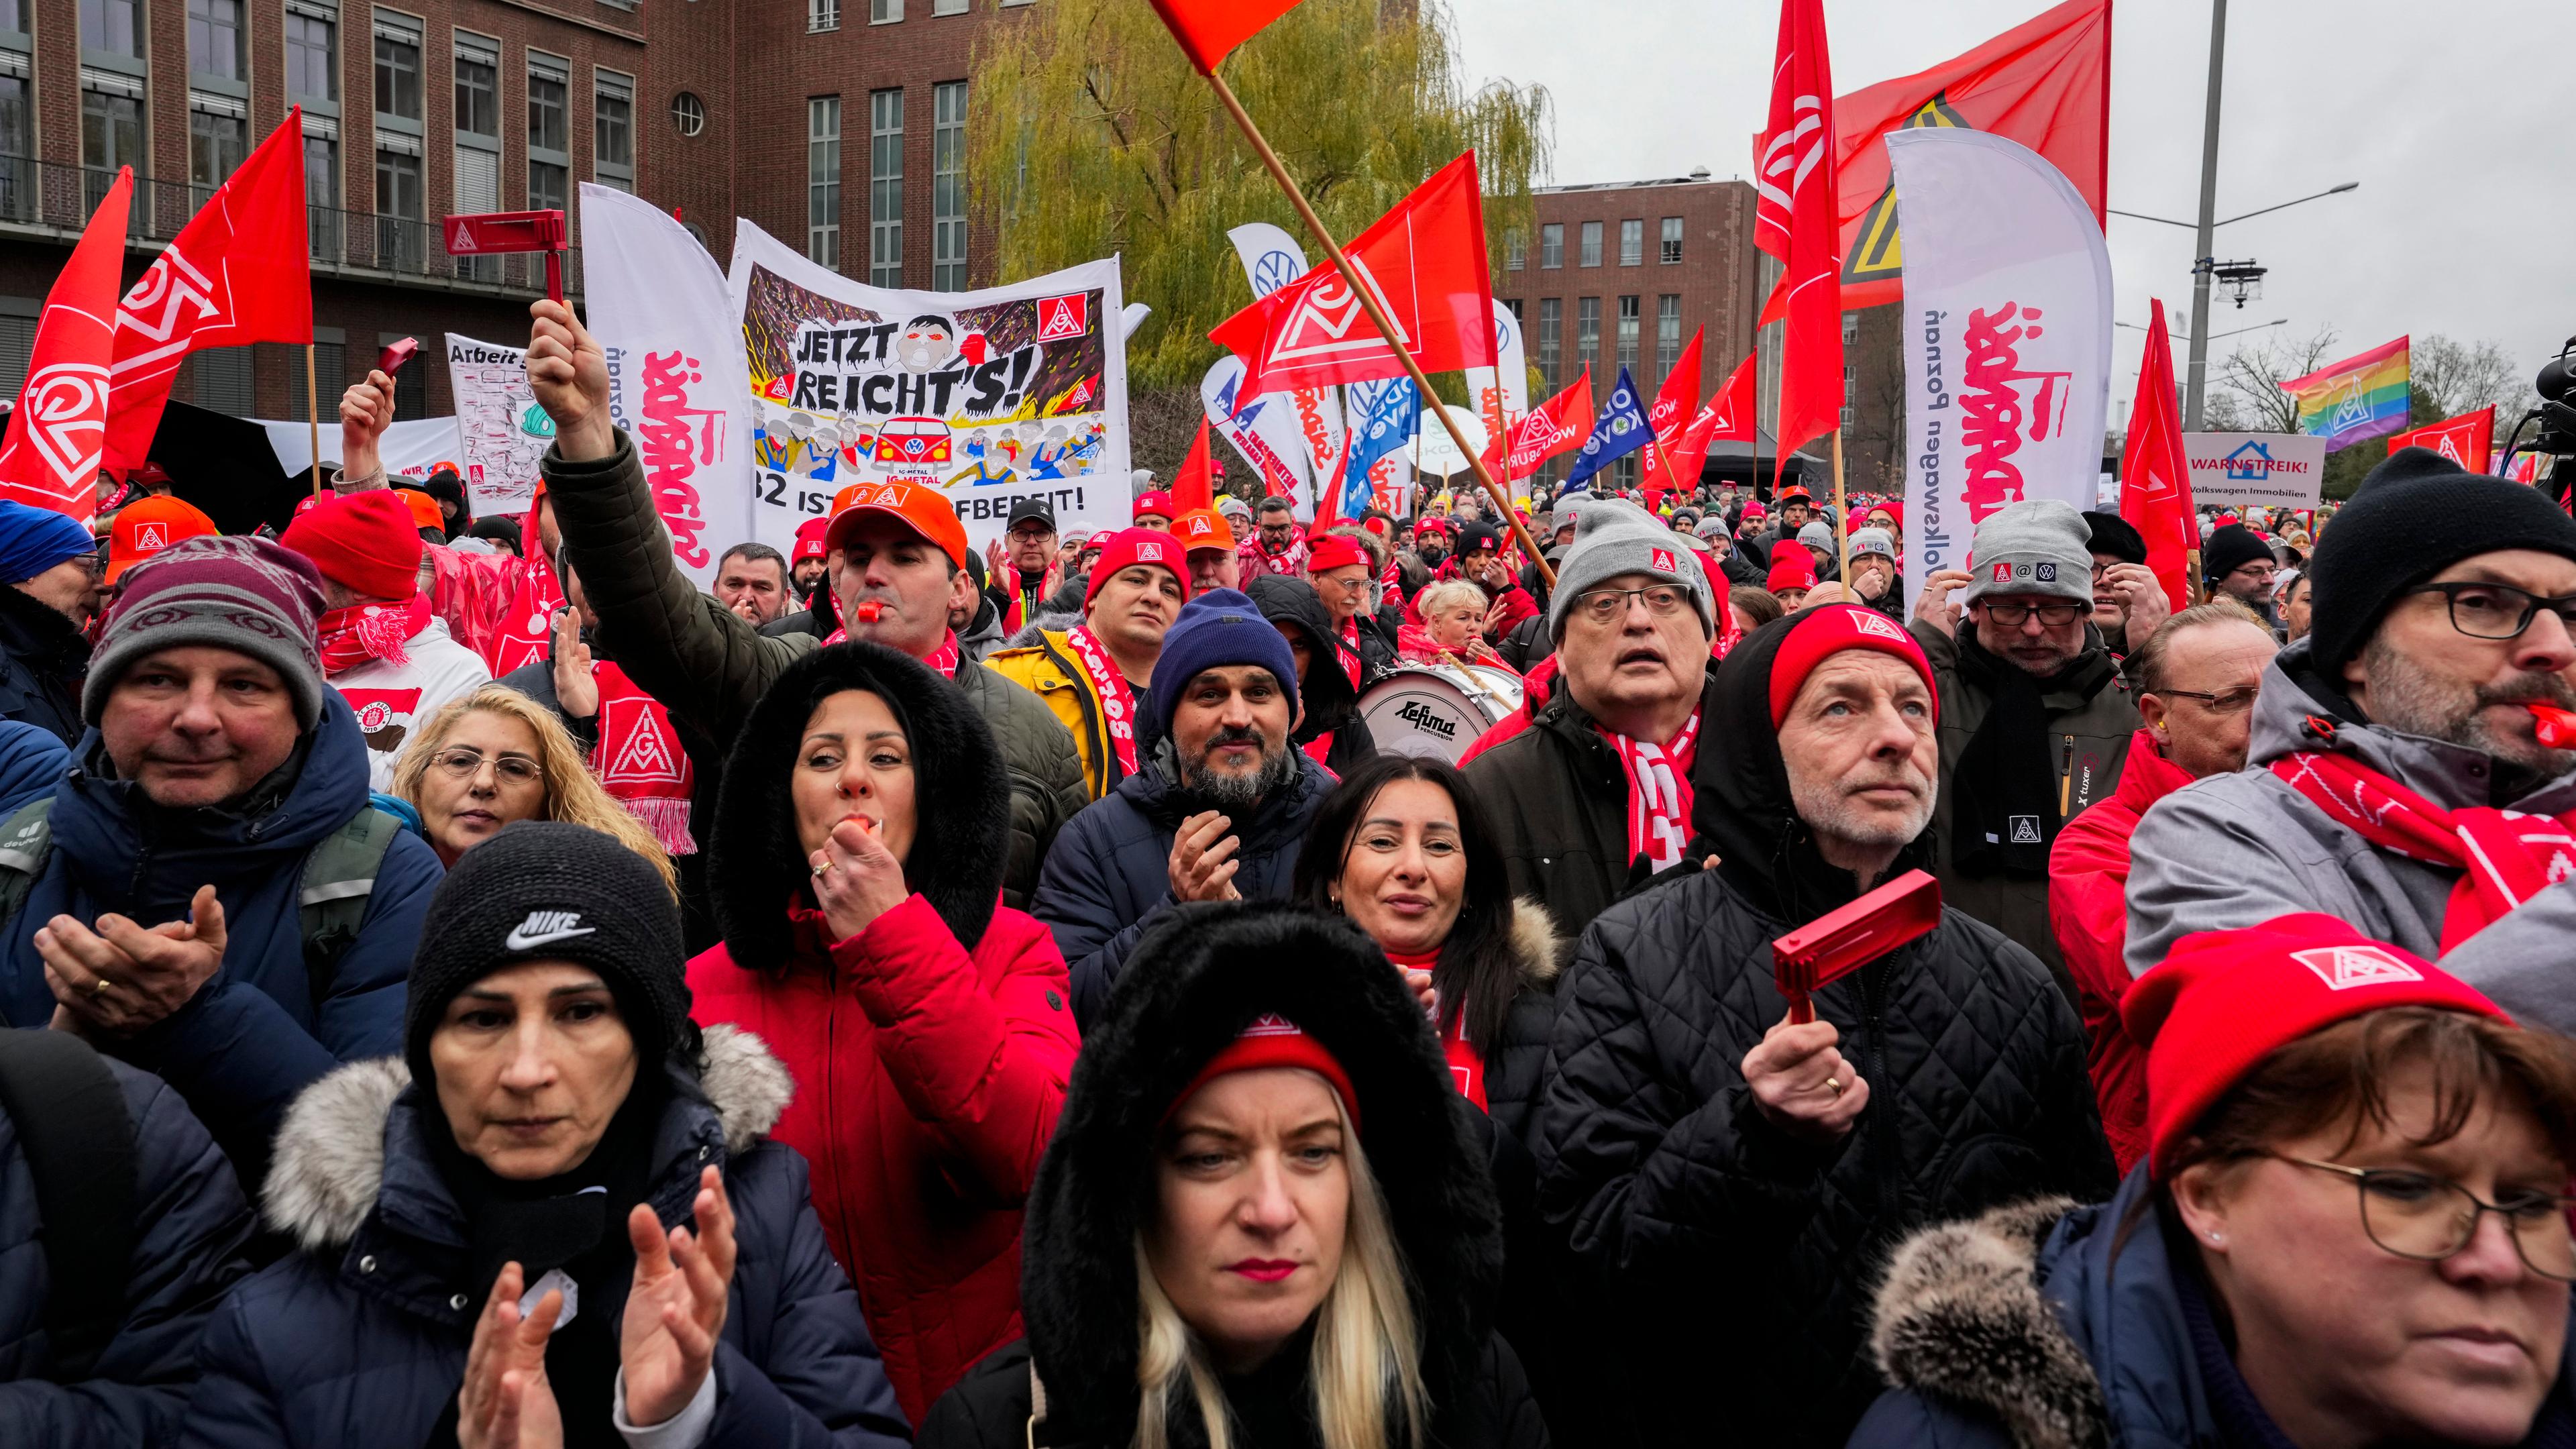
(33, 540)
(1218, 629)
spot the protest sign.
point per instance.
(992, 396)
(501, 431)
(2279, 470)
(410, 447)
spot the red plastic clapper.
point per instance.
(867, 611)
(2555, 727)
(1836, 944)
(395, 354)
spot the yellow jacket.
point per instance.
(1049, 670)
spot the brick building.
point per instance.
(411, 110)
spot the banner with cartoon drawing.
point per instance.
(500, 429)
(989, 396)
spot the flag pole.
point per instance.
(1842, 516)
(1377, 315)
(313, 416)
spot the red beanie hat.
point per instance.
(1792, 567)
(2222, 1001)
(1334, 551)
(362, 541)
(809, 540)
(1891, 507)
(1822, 632)
(1131, 546)
(1274, 1041)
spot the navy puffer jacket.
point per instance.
(190, 1224)
(254, 1035)
(359, 1337)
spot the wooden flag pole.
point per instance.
(313, 417)
(1842, 518)
(1385, 326)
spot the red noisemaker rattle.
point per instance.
(1835, 945)
(2555, 727)
(867, 611)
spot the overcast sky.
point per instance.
(2457, 118)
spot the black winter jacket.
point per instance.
(1331, 703)
(42, 661)
(1732, 1258)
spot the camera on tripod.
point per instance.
(2556, 417)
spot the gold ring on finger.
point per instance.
(1835, 1084)
(824, 869)
(99, 987)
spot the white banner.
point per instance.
(410, 448)
(2007, 328)
(499, 426)
(1439, 452)
(1500, 395)
(1012, 392)
(1271, 259)
(1266, 432)
(658, 305)
(2276, 470)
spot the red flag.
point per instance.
(2155, 476)
(1671, 416)
(1733, 405)
(1191, 487)
(1427, 261)
(2468, 440)
(1209, 30)
(239, 272)
(1794, 221)
(2045, 83)
(1560, 425)
(50, 456)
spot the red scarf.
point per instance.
(639, 759)
(352, 636)
(1466, 1059)
(1017, 616)
(527, 628)
(1117, 697)
(1659, 792)
(1348, 647)
(2504, 856)
(942, 660)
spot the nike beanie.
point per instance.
(544, 890)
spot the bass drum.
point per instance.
(1438, 709)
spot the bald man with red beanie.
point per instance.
(390, 656)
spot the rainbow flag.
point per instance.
(2357, 399)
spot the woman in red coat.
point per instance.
(857, 873)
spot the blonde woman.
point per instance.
(1454, 615)
(1260, 1221)
(496, 756)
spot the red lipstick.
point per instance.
(1263, 1270)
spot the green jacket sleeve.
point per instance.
(705, 665)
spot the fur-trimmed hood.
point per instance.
(1191, 987)
(961, 794)
(1961, 1317)
(1537, 944)
(330, 1164)
(1033, 633)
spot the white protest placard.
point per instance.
(499, 427)
(2274, 470)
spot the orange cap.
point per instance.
(926, 511)
(1203, 528)
(425, 512)
(148, 525)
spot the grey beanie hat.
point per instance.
(1867, 541)
(1614, 537)
(2036, 546)
(1818, 534)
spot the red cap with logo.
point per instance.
(926, 511)
(1129, 547)
(1823, 632)
(809, 541)
(1333, 551)
(148, 525)
(1154, 501)
(1203, 528)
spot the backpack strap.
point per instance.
(26, 842)
(78, 1140)
(339, 879)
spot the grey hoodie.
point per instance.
(2237, 850)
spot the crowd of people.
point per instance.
(470, 977)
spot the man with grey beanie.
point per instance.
(1594, 795)
(1818, 536)
(2035, 715)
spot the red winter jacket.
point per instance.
(927, 1084)
(2088, 902)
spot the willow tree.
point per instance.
(1091, 135)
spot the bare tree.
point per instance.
(2453, 377)
(2246, 391)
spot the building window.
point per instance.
(1515, 249)
(478, 92)
(113, 26)
(215, 39)
(1851, 393)
(549, 186)
(1668, 336)
(612, 151)
(1672, 240)
(17, 344)
(1623, 472)
(312, 57)
(1632, 243)
(111, 136)
(947, 7)
(549, 111)
(223, 379)
(330, 366)
(216, 144)
(884, 12)
(1587, 331)
(13, 19)
(400, 243)
(885, 187)
(1592, 244)
(1628, 321)
(1551, 322)
(688, 114)
(322, 196)
(397, 72)
(822, 14)
(1551, 245)
(948, 188)
(17, 173)
(1851, 328)
(823, 180)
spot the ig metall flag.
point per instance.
(1620, 430)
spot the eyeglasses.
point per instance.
(2233, 701)
(2426, 1218)
(2053, 615)
(2498, 611)
(1602, 606)
(466, 764)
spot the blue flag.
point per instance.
(1386, 423)
(1620, 430)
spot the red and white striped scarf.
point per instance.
(1117, 697)
(1659, 792)
(361, 632)
(943, 659)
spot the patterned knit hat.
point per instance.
(248, 595)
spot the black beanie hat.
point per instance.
(2113, 535)
(2414, 516)
(543, 890)
(2231, 547)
